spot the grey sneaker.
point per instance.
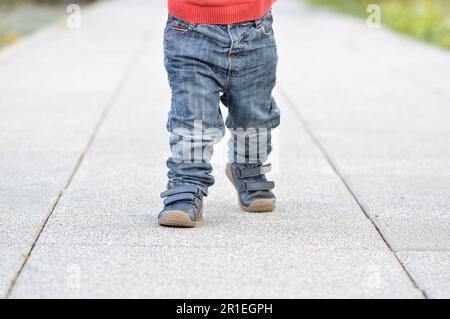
(183, 206)
(254, 191)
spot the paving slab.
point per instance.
(430, 269)
(11, 261)
(377, 102)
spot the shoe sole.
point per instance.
(262, 205)
(177, 218)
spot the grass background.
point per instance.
(428, 20)
(21, 17)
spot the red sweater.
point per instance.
(219, 11)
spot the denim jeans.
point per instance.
(208, 64)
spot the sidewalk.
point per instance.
(364, 204)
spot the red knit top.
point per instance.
(219, 11)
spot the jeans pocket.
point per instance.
(266, 25)
(177, 26)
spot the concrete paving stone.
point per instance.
(347, 143)
(408, 206)
(429, 269)
(221, 228)
(396, 186)
(12, 258)
(183, 272)
(416, 232)
(421, 167)
(424, 70)
(374, 112)
(16, 229)
(415, 195)
(411, 210)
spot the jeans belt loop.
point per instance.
(258, 23)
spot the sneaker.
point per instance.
(183, 206)
(254, 191)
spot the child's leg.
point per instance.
(192, 61)
(252, 113)
(195, 121)
(252, 109)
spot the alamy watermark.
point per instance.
(374, 19)
(73, 20)
(194, 144)
(73, 278)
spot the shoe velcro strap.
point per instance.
(183, 197)
(254, 171)
(258, 186)
(183, 189)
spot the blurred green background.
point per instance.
(428, 20)
(21, 17)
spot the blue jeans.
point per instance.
(208, 64)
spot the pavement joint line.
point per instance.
(116, 93)
(333, 166)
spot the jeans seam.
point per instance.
(230, 60)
